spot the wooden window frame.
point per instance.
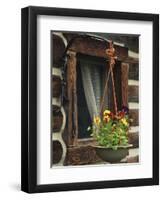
(87, 46)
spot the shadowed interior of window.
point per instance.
(91, 75)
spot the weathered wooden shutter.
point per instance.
(72, 114)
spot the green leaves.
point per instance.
(111, 134)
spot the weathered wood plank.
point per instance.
(87, 142)
(131, 60)
(124, 83)
(75, 105)
(81, 155)
(133, 93)
(72, 99)
(94, 47)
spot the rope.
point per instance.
(111, 54)
(105, 89)
(114, 94)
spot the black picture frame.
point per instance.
(29, 99)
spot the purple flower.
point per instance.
(125, 110)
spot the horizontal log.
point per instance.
(134, 115)
(131, 60)
(57, 119)
(133, 93)
(133, 138)
(134, 71)
(86, 141)
(94, 47)
(56, 86)
(81, 155)
(56, 152)
(58, 49)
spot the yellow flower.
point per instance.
(106, 118)
(97, 120)
(123, 120)
(106, 112)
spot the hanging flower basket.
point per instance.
(111, 135)
(112, 156)
(110, 130)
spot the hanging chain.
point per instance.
(111, 54)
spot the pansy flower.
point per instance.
(125, 110)
(120, 115)
(108, 113)
(106, 118)
(112, 115)
(124, 121)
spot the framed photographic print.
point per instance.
(90, 99)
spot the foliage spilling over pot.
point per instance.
(111, 130)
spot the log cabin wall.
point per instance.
(67, 150)
(133, 99)
(58, 119)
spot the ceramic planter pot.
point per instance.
(110, 155)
